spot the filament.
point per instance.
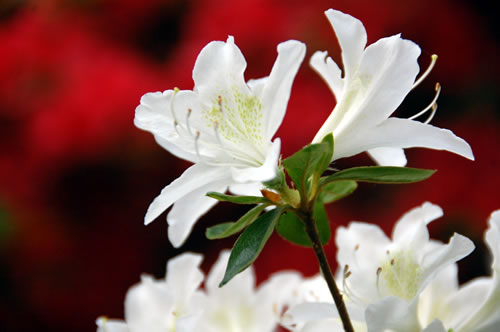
(432, 106)
(434, 58)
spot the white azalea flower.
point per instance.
(239, 306)
(312, 309)
(474, 306)
(224, 126)
(374, 82)
(382, 278)
(172, 304)
(376, 267)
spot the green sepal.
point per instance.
(250, 243)
(309, 163)
(238, 199)
(291, 228)
(226, 229)
(333, 191)
(380, 174)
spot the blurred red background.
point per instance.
(76, 176)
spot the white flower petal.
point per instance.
(193, 178)
(435, 326)
(326, 325)
(388, 156)
(433, 302)
(184, 277)
(404, 133)
(392, 313)
(388, 70)
(464, 305)
(219, 66)
(351, 35)
(358, 240)
(154, 114)
(276, 91)
(329, 71)
(302, 313)
(492, 238)
(266, 172)
(111, 325)
(188, 209)
(246, 189)
(411, 228)
(458, 247)
(148, 306)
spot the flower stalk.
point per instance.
(312, 232)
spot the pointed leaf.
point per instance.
(226, 229)
(238, 199)
(250, 243)
(291, 228)
(380, 174)
(311, 160)
(336, 190)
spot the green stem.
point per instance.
(312, 232)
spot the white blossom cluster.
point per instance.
(225, 127)
(407, 283)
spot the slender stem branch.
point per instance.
(312, 232)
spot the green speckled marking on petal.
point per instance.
(402, 275)
(240, 118)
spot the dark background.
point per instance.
(76, 176)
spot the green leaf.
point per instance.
(311, 160)
(336, 190)
(380, 174)
(238, 199)
(250, 243)
(291, 228)
(226, 229)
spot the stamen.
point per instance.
(196, 148)
(379, 270)
(219, 101)
(432, 106)
(176, 90)
(434, 58)
(176, 125)
(188, 115)
(217, 137)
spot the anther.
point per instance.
(392, 262)
(432, 106)
(356, 247)
(219, 101)
(434, 58)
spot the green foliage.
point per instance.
(333, 191)
(224, 230)
(306, 166)
(291, 228)
(380, 174)
(250, 243)
(238, 199)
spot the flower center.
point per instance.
(239, 117)
(401, 275)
